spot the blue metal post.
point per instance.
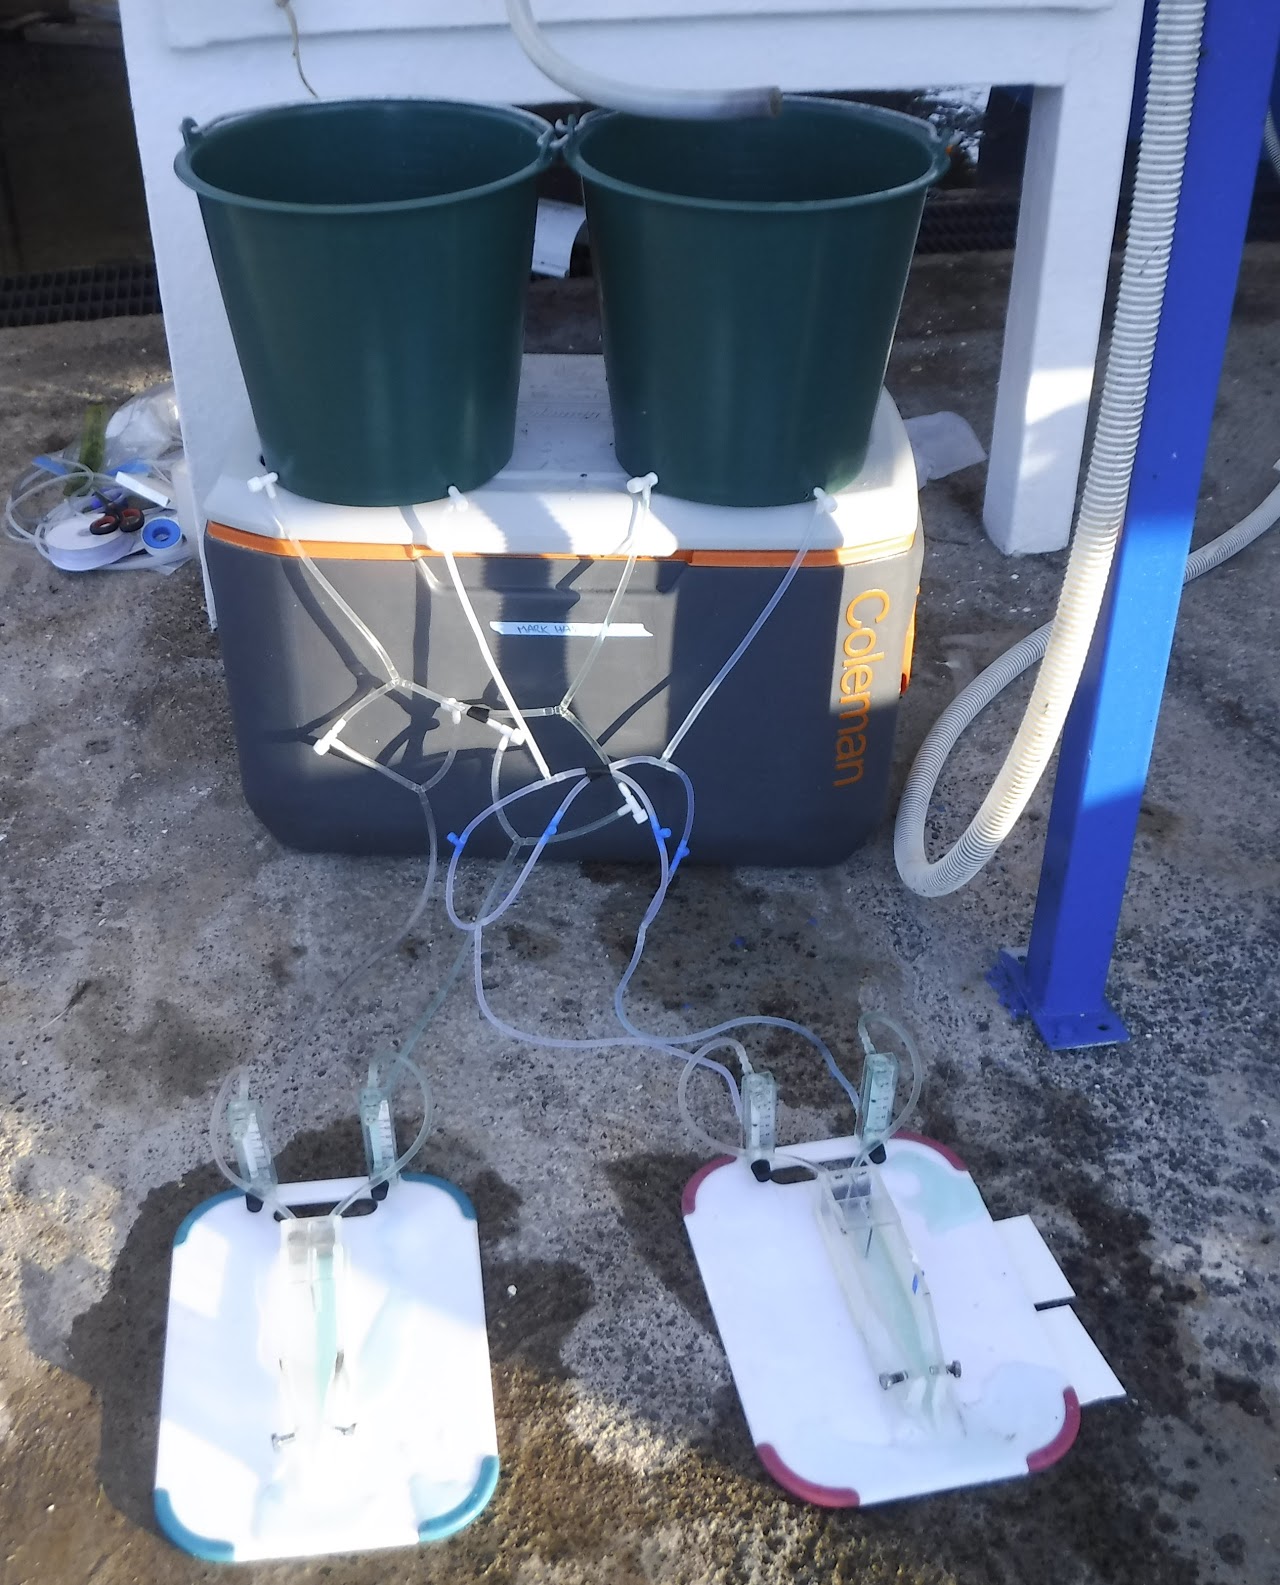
(1106, 745)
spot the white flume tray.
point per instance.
(422, 1459)
(823, 1426)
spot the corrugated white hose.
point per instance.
(682, 104)
(1161, 155)
(1271, 140)
(974, 698)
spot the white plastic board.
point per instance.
(823, 1426)
(421, 1461)
(1091, 1376)
(1037, 1270)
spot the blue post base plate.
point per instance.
(1101, 1026)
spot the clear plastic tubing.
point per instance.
(500, 682)
(639, 490)
(754, 1021)
(368, 1184)
(477, 926)
(217, 1122)
(634, 1036)
(823, 505)
(913, 1052)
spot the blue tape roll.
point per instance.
(161, 533)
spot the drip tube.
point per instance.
(495, 790)
(489, 915)
(633, 1036)
(500, 682)
(823, 504)
(266, 483)
(913, 1053)
(437, 1001)
(720, 1146)
(640, 491)
(685, 104)
(1161, 155)
(269, 1193)
(377, 1179)
(357, 621)
(987, 686)
(751, 1021)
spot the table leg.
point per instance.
(1070, 187)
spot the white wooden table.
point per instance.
(203, 58)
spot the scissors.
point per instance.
(118, 515)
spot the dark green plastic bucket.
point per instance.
(373, 257)
(751, 274)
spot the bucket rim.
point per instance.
(193, 134)
(923, 131)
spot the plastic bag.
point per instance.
(943, 443)
(145, 429)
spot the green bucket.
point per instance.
(751, 274)
(373, 257)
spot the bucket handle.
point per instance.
(556, 136)
(192, 131)
(948, 139)
(550, 142)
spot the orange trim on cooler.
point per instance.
(909, 648)
(361, 550)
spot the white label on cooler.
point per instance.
(570, 629)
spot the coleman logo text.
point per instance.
(858, 659)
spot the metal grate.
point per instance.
(106, 291)
(967, 222)
(971, 222)
(960, 221)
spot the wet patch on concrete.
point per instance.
(117, 1346)
(535, 946)
(648, 1190)
(170, 1051)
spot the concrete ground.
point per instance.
(154, 935)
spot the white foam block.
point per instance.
(823, 1426)
(421, 1461)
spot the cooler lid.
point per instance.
(564, 493)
